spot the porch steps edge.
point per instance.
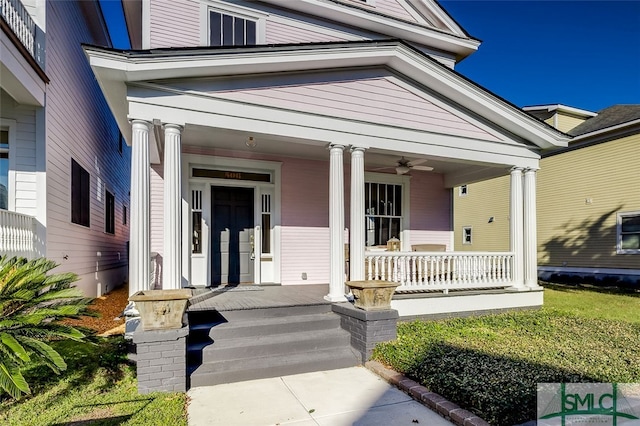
(268, 326)
(275, 344)
(230, 371)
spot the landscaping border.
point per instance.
(431, 400)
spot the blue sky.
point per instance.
(585, 54)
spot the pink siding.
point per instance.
(305, 250)
(430, 203)
(157, 208)
(377, 100)
(277, 32)
(80, 126)
(305, 193)
(396, 8)
(175, 23)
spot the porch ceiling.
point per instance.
(278, 146)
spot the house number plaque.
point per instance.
(233, 175)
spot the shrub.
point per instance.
(31, 303)
(491, 365)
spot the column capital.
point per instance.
(172, 126)
(139, 122)
(333, 146)
(353, 149)
(531, 170)
(517, 169)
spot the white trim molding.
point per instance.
(619, 232)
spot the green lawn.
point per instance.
(491, 364)
(594, 302)
(98, 388)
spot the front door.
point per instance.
(231, 235)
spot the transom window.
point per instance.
(383, 212)
(230, 30)
(4, 168)
(629, 233)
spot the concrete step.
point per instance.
(275, 344)
(237, 370)
(258, 327)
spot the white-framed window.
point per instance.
(383, 212)
(266, 222)
(80, 194)
(196, 221)
(463, 190)
(5, 147)
(109, 212)
(628, 233)
(466, 235)
(225, 23)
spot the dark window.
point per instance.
(229, 30)
(109, 213)
(120, 142)
(124, 215)
(80, 190)
(383, 212)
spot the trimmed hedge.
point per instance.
(491, 365)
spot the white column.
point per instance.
(336, 225)
(356, 226)
(516, 228)
(530, 230)
(171, 261)
(139, 243)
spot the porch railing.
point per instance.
(17, 234)
(21, 23)
(443, 271)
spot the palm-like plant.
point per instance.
(31, 303)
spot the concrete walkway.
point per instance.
(349, 396)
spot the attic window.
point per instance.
(231, 30)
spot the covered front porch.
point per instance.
(254, 168)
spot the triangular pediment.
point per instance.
(368, 96)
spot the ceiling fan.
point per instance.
(404, 166)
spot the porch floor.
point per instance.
(257, 297)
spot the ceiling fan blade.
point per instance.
(418, 161)
(382, 168)
(424, 168)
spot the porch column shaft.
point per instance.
(516, 227)
(530, 230)
(172, 264)
(356, 227)
(336, 224)
(140, 254)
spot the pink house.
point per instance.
(286, 142)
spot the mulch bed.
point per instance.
(109, 308)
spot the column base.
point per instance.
(520, 287)
(335, 297)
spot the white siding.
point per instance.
(174, 23)
(25, 189)
(80, 127)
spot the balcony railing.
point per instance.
(442, 271)
(19, 20)
(17, 234)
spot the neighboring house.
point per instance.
(588, 199)
(261, 130)
(64, 168)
